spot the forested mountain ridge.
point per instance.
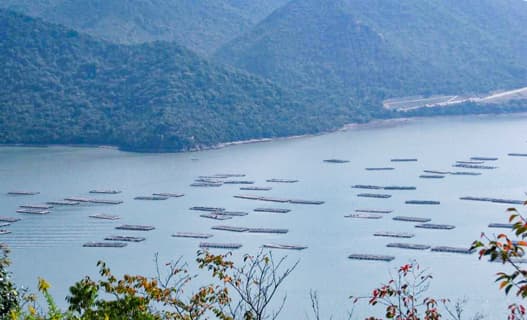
(201, 26)
(378, 49)
(59, 86)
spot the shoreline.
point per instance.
(373, 124)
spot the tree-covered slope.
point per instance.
(202, 26)
(59, 86)
(378, 49)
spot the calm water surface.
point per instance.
(50, 246)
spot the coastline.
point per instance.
(373, 124)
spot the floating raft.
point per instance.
(4, 224)
(105, 244)
(473, 166)
(238, 182)
(215, 216)
(435, 226)
(63, 203)
(36, 206)
(408, 246)
(2, 231)
(471, 162)
(168, 194)
(517, 154)
(206, 184)
(300, 201)
(371, 257)
(484, 158)
(192, 235)
(465, 173)
(283, 246)
(268, 230)
(106, 191)
(431, 176)
(210, 209)
(501, 225)
(125, 238)
(230, 228)
(150, 198)
(366, 186)
(230, 175)
(9, 219)
(380, 169)
(374, 211)
(134, 227)
(400, 188)
(282, 180)
(336, 161)
(33, 211)
(394, 234)
(494, 200)
(435, 172)
(216, 245)
(374, 195)
(404, 160)
(364, 216)
(104, 216)
(429, 202)
(453, 250)
(95, 201)
(256, 188)
(233, 213)
(272, 210)
(411, 219)
(22, 193)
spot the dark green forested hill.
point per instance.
(59, 86)
(374, 49)
(202, 26)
